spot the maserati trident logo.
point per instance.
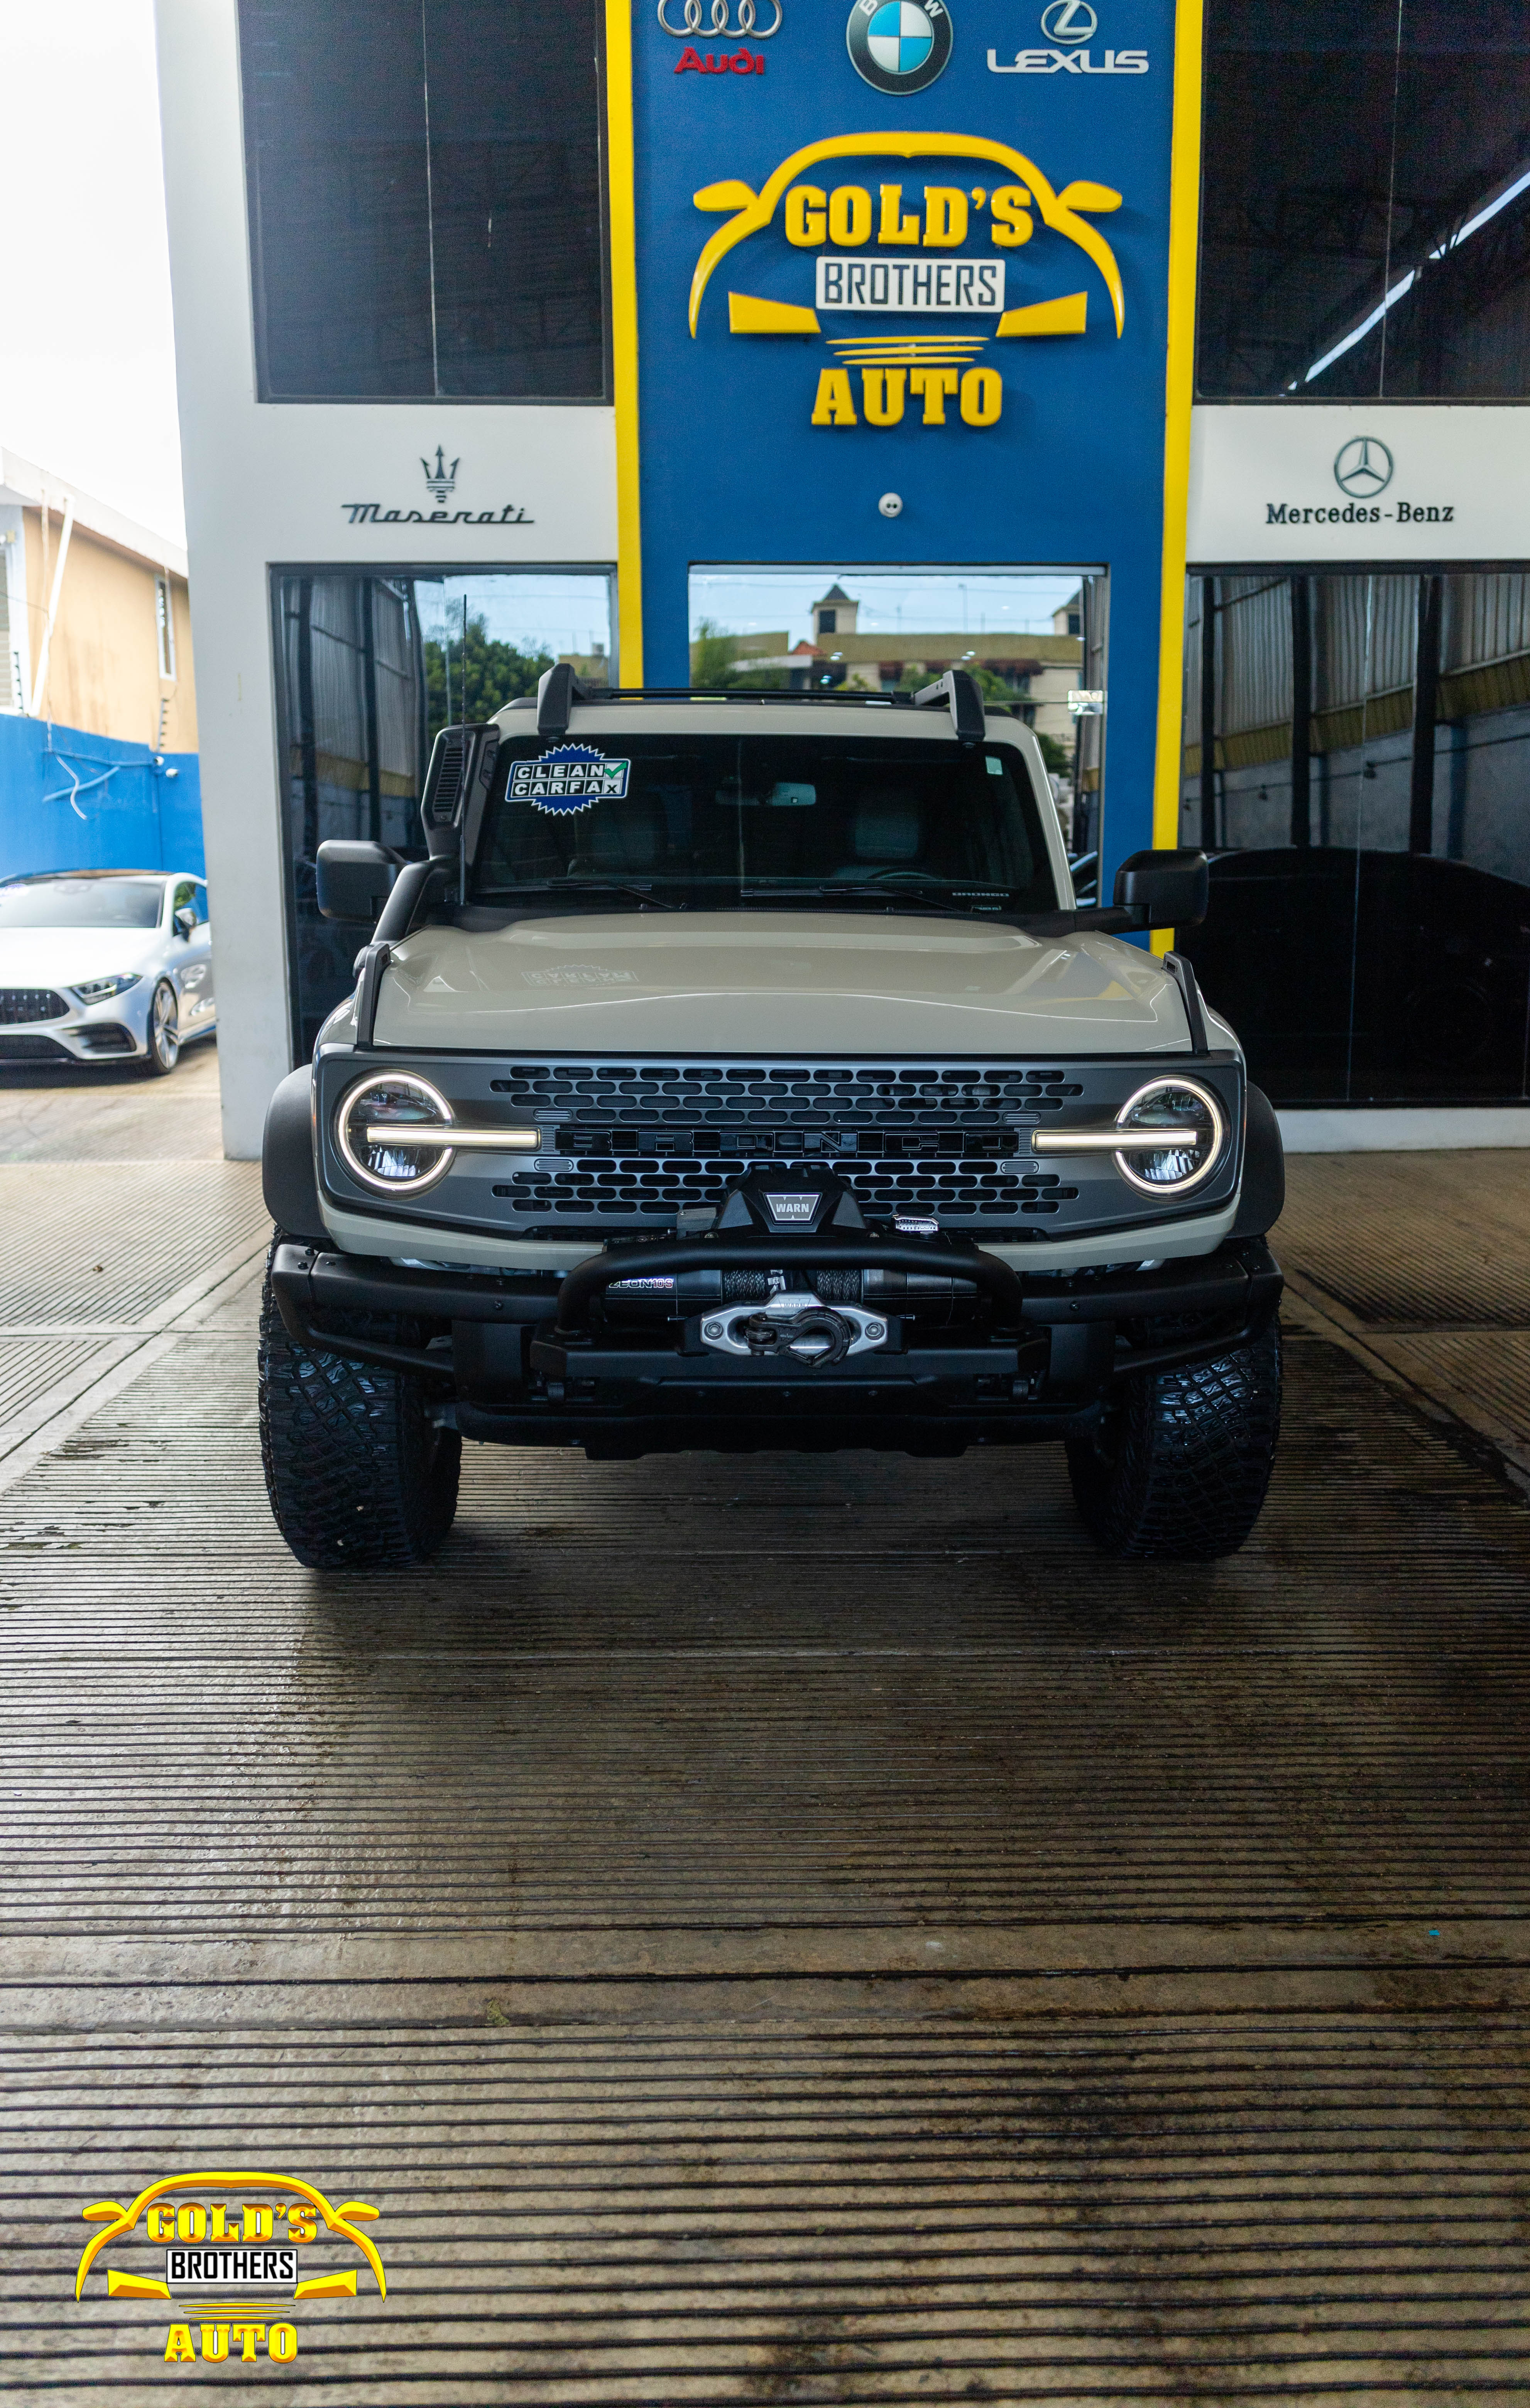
(441, 480)
(1363, 467)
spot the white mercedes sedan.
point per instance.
(102, 965)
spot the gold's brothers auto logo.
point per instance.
(942, 265)
(234, 2250)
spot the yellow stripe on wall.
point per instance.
(623, 216)
(1184, 230)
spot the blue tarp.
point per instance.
(73, 801)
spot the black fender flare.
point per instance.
(1262, 1194)
(289, 1180)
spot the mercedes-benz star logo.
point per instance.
(899, 45)
(1070, 21)
(1363, 467)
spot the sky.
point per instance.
(87, 359)
(560, 614)
(748, 601)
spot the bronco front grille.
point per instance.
(632, 1142)
(648, 1140)
(623, 1187)
(815, 1107)
(20, 1004)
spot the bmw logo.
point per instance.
(898, 45)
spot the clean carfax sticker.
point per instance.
(569, 779)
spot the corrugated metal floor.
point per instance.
(1419, 1265)
(872, 2208)
(764, 1931)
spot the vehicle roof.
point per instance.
(726, 713)
(53, 877)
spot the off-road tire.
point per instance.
(1178, 1464)
(359, 1476)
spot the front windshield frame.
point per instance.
(90, 897)
(707, 819)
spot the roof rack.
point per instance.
(559, 690)
(961, 695)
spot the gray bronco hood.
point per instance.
(755, 982)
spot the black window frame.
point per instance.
(255, 268)
(1316, 396)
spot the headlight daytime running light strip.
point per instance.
(504, 1140)
(441, 1134)
(1120, 1140)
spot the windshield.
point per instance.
(716, 821)
(83, 903)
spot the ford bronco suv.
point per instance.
(738, 1072)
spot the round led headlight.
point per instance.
(371, 1113)
(1181, 1109)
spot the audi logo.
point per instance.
(720, 28)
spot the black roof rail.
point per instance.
(961, 694)
(580, 692)
(957, 691)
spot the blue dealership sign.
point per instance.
(907, 247)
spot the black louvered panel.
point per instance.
(800, 1112)
(448, 769)
(609, 1095)
(22, 1004)
(632, 1187)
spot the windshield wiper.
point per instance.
(1050, 923)
(584, 886)
(890, 897)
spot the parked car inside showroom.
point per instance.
(105, 965)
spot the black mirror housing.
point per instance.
(355, 879)
(1171, 889)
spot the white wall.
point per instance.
(1468, 463)
(269, 484)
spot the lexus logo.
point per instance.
(1363, 467)
(1070, 21)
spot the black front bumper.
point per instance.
(526, 1360)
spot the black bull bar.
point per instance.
(1236, 1290)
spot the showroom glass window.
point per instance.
(1357, 757)
(1366, 213)
(424, 182)
(371, 665)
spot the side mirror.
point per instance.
(185, 921)
(355, 879)
(1163, 890)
